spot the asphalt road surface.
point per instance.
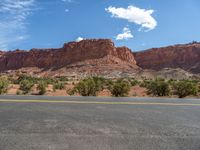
(75, 123)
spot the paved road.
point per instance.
(61, 123)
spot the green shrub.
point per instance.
(120, 88)
(158, 88)
(26, 77)
(145, 83)
(70, 92)
(63, 78)
(48, 80)
(133, 81)
(58, 86)
(26, 85)
(3, 85)
(89, 87)
(108, 84)
(42, 87)
(185, 88)
(34, 79)
(18, 92)
(100, 83)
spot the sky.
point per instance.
(137, 24)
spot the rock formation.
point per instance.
(101, 57)
(85, 56)
(186, 57)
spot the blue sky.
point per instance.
(138, 24)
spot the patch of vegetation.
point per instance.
(158, 87)
(62, 78)
(58, 86)
(25, 77)
(42, 87)
(133, 81)
(93, 85)
(26, 85)
(120, 88)
(185, 88)
(145, 83)
(18, 92)
(89, 86)
(3, 85)
(34, 79)
(48, 80)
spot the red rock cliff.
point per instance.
(186, 57)
(70, 53)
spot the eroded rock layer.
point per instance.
(98, 55)
(186, 57)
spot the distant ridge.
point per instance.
(184, 56)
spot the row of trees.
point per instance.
(92, 86)
(27, 82)
(121, 87)
(183, 88)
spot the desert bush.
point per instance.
(172, 81)
(89, 87)
(133, 81)
(185, 88)
(100, 83)
(63, 78)
(34, 79)
(42, 87)
(58, 86)
(158, 88)
(70, 92)
(108, 84)
(48, 80)
(3, 85)
(18, 92)
(145, 83)
(120, 88)
(26, 85)
(27, 78)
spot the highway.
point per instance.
(94, 123)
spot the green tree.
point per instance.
(89, 87)
(185, 88)
(86, 87)
(3, 85)
(42, 87)
(133, 81)
(158, 88)
(26, 85)
(120, 88)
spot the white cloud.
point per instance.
(69, 1)
(66, 10)
(125, 35)
(79, 39)
(13, 14)
(135, 15)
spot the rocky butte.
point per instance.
(94, 56)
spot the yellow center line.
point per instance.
(97, 102)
